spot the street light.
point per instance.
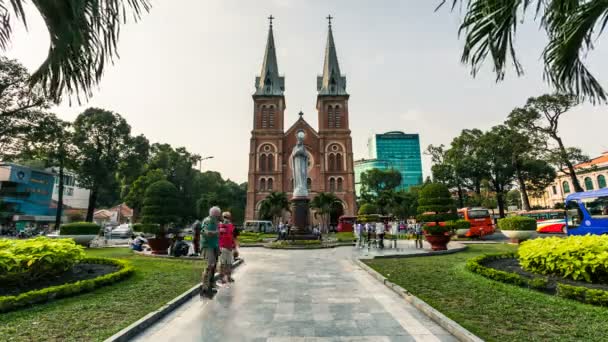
(200, 162)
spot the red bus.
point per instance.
(346, 223)
(547, 220)
(480, 219)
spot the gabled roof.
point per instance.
(597, 161)
(301, 122)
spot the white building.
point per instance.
(591, 175)
(73, 196)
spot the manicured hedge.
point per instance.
(517, 223)
(575, 257)
(31, 259)
(8, 303)
(79, 228)
(148, 228)
(578, 293)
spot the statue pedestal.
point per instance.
(301, 214)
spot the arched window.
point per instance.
(271, 117)
(263, 184)
(309, 183)
(264, 117)
(263, 162)
(340, 186)
(332, 162)
(332, 185)
(601, 181)
(337, 116)
(566, 187)
(270, 184)
(330, 117)
(588, 183)
(338, 161)
(270, 162)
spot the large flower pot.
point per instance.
(159, 245)
(517, 236)
(438, 242)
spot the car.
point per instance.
(124, 231)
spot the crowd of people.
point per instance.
(375, 232)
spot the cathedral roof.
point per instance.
(301, 123)
(269, 82)
(332, 82)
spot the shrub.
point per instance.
(368, 218)
(345, 237)
(368, 209)
(148, 228)
(79, 228)
(161, 204)
(435, 204)
(29, 260)
(575, 257)
(517, 223)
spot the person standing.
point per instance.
(227, 243)
(210, 249)
(418, 234)
(380, 230)
(358, 232)
(196, 237)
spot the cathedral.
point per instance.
(330, 156)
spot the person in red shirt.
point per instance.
(228, 244)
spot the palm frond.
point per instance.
(571, 37)
(83, 39)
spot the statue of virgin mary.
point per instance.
(299, 166)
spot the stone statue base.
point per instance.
(300, 213)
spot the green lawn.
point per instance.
(97, 315)
(493, 311)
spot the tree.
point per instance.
(20, 106)
(490, 26)
(374, 181)
(274, 205)
(324, 204)
(403, 204)
(539, 174)
(134, 164)
(368, 209)
(100, 137)
(161, 204)
(436, 204)
(541, 115)
(84, 36)
(134, 199)
(496, 151)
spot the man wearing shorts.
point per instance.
(210, 249)
(227, 247)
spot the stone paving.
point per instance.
(298, 295)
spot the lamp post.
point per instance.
(200, 162)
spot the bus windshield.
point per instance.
(478, 213)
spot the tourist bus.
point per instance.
(346, 223)
(587, 212)
(547, 220)
(480, 219)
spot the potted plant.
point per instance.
(435, 208)
(517, 228)
(160, 208)
(81, 232)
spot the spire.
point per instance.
(269, 82)
(332, 82)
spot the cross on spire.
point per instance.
(329, 18)
(270, 18)
(300, 114)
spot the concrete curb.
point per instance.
(454, 328)
(461, 248)
(148, 320)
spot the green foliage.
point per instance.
(8, 303)
(368, 209)
(137, 190)
(286, 244)
(474, 265)
(325, 204)
(345, 237)
(462, 224)
(273, 206)
(148, 228)
(375, 181)
(575, 257)
(32, 259)
(369, 218)
(436, 205)
(517, 223)
(79, 228)
(161, 204)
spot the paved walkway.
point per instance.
(298, 295)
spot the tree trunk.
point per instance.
(522, 189)
(92, 203)
(460, 196)
(562, 151)
(59, 196)
(501, 203)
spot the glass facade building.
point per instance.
(393, 150)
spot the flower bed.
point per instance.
(8, 303)
(488, 266)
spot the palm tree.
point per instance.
(84, 36)
(274, 205)
(571, 26)
(324, 204)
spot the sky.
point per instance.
(186, 74)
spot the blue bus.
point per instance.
(587, 212)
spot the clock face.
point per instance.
(20, 175)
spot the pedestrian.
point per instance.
(359, 233)
(380, 231)
(227, 243)
(418, 234)
(196, 237)
(210, 249)
(368, 231)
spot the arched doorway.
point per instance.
(337, 210)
